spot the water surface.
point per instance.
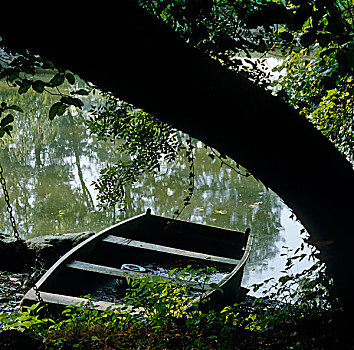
(50, 167)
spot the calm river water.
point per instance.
(50, 166)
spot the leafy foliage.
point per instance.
(5, 122)
(221, 30)
(321, 96)
(317, 76)
(145, 140)
(154, 316)
(318, 79)
(316, 36)
(24, 320)
(25, 71)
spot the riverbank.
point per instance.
(13, 286)
(243, 327)
(23, 255)
(250, 324)
(22, 263)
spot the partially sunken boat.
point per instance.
(146, 245)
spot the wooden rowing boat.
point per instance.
(145, 245)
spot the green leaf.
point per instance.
(82, 92)
(15, 108)
(7, 129)
(57, 80)
(7, 120)
(284, 279)
(216, 287)
(57, 108)
(213, 337)
(24, 86)
(61, 109)
(70, 78)
(72, 101)
(12, 77)
(170, 273)
(38, 86)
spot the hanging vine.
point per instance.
(189, 154)
(215, 154)
(142, 139)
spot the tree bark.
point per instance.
(122, 49)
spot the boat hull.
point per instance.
(152, 244)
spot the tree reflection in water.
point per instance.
(50, 166)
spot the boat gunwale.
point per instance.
(91, 239)
(100, 235)
(232, 274)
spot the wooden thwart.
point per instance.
(111, 271)
(169, 250)
(64, 300)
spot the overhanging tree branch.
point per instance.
(143, 62)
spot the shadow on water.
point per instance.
(50, 166)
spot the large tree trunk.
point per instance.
(121, 49)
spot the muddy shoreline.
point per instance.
(12, 289)
(13, 286)
(23, 262)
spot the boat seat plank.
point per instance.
(169, 250)
(65, 300)
(111, 271)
